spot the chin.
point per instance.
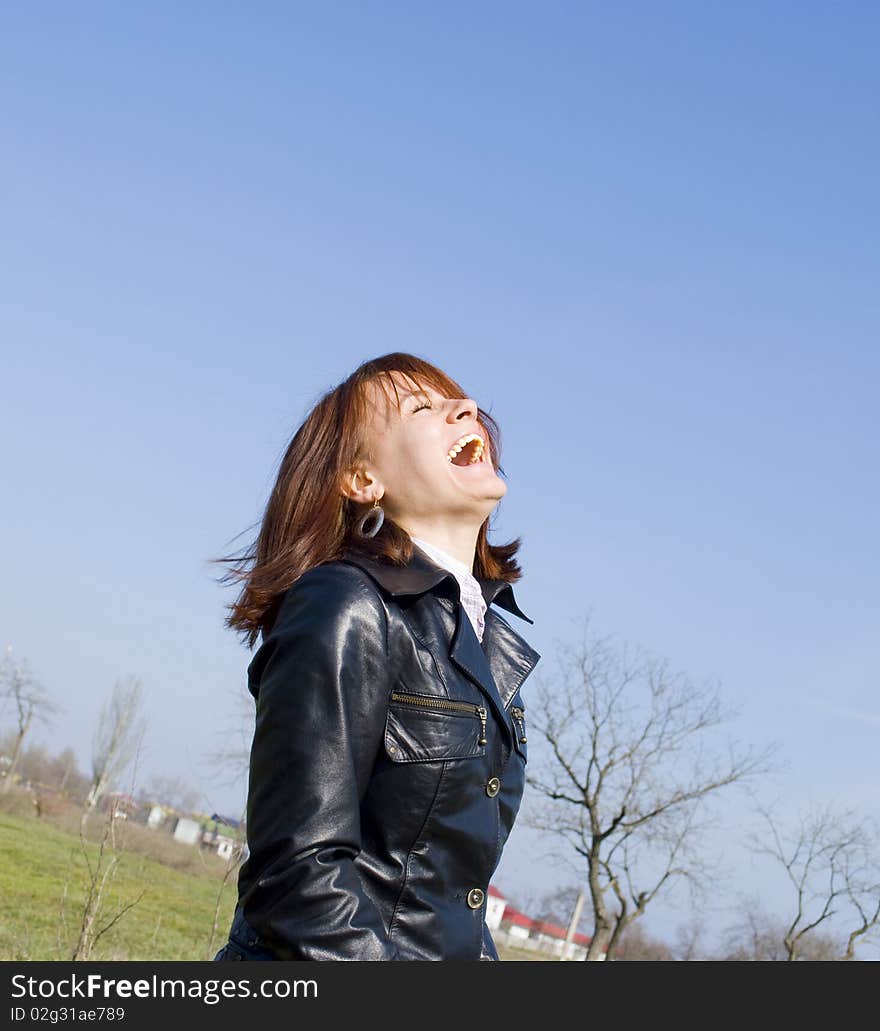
(494, 498)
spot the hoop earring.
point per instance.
(376, 511)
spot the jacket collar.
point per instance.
(422, 574)
(504, 660)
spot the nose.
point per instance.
(465, 406)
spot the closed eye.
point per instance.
(418, 408)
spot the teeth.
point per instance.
(460, 444)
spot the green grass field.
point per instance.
(44, 878)
(43, 884)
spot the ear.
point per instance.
(361, 485)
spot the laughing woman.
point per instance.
(389, 752)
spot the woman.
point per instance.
(388, 759)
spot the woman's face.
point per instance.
(411, 472)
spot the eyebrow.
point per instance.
(413, 393)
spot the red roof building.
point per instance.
(518, 930)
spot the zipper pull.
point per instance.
(482, 713)
(519, 715)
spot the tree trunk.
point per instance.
(16, 756)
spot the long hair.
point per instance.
(309, 521)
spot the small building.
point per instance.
(227, 821)
(188, 831)
(495, 906)
(223, 844)
(518, 931)
(224, 835)
(516, 926)
(156, 816)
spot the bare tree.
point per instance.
(171, 791)
(635, 944)
(66, 775)
(100, 875)
(831, 860)
(689, 940)
(30, 703)
(93, 919)
(117, 739)
(630, 766)
(231, 756)
(760, 936)
(555, 906)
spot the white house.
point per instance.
(187, 831)
(155, 817)
(514, 929)
(495, 906)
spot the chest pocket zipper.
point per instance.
(445, 703)
(433, 737)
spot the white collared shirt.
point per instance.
(471, 595)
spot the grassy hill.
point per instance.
(175, 892)
(44, 879)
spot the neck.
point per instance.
(460, 542)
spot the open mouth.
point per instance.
(467, 450)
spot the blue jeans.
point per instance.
(243, 943)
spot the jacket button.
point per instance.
(493, 787)
(475, 898)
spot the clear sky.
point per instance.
(644, 236)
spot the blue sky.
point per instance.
(643, 236)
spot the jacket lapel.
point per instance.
(509, 657)
(466, 653)
(503, 661)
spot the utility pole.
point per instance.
(572, 924)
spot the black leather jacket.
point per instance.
(387, 767)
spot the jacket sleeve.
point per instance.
(323, 690)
